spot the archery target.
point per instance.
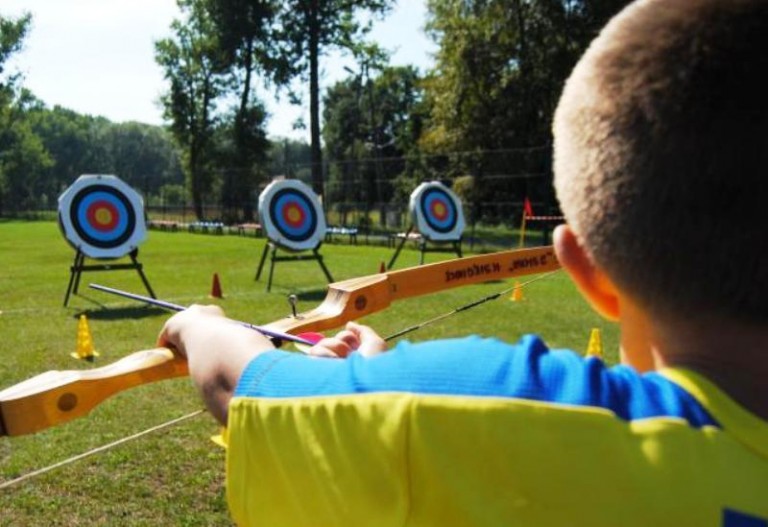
(291, 215)
(102, 216)
(437, 212)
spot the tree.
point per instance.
(303, 30)
(12, 34)
(244, 34)
(196, 70)
(290, 158)
(144, 156)
(74, 144)
(23, 158)
(500, 68)
(241, 147)
(371, 129)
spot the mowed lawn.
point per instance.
(175, 476)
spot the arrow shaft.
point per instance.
(176, 307)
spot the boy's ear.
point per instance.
(591, 280)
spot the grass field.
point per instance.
(175, 476)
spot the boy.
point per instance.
(660, 152)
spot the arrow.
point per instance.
(176, 307)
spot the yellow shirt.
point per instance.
(404, 458)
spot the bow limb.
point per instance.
(357, 297)
(59, 396)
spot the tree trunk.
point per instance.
(314, 98)
(245, 177)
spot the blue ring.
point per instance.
(431, 195)
(104, 236)
(126, 224)
(296, 234)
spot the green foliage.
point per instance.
(173, 195)
(483, 112)
(241, 147)
(43, 150)
(371, 130)
(144, 156)
(22, 156)
(23, 161)
(290, 158)
(12, 33)
(500, 68)
(196, 68)
(243, 33)
(213, 57)
(303, 31)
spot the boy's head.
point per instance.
(661, 156)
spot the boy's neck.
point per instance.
(734, 357)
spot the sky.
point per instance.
(97, 57)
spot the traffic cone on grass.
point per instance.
(595, 346)
(216, 287)
(84, 346)
(517, 293)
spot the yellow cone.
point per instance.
(517, 293)
(222, 438)
(595, 346)
(84, 349)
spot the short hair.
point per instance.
(661, 156)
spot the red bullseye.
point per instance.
(293, 214)
(102, 216)
(439, 210)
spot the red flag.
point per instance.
(527, 209)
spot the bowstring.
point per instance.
(470, 305)
(97, 450)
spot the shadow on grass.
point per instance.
(314, 295)
(117, 313)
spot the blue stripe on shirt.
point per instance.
(475, 366)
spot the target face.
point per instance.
(437, 212)
(291, 215)
(102, 216)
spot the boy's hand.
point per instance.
(194, 317)
(355, 337)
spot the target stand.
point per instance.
(424, 247)
(272, 249)
(79, 266)
(293, 221)
(437, 217)
(102, 218)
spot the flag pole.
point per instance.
(522, 230)
(527, 211)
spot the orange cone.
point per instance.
(517, 293)
(382, 268)
(216, 287)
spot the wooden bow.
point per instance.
(59, 396)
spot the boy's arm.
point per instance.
(217, 350)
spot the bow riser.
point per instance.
(358, 297)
